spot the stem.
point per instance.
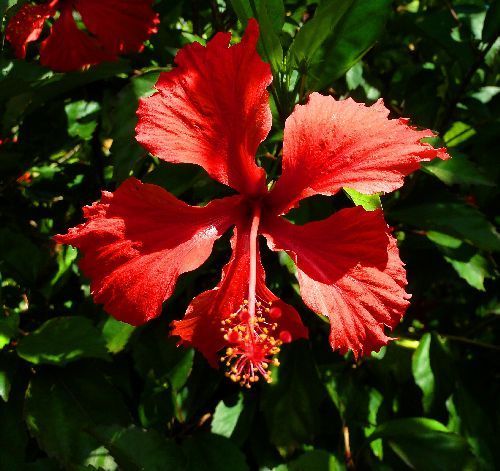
(253, 261)
(347, 446)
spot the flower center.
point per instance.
(253, 345)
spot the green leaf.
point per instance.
(270, 14)
(7, 372)
(82, 118)
(369, 202)
(474, 271)
(290, 403)
(269, 38)
(467, 261)
(138, 449)
(425, 444)
(458, 170)
(226, 416)
(316, 460)
(433, 373)
(46, 87)
(491, 27)
(452, 218)
(469, 419)
(355, 33)
(312, 35)
(125, 151)
(13, 435)
(116, 334)
(63, 405)
(9, 327)
(458, 134)
(154, 353)
(62, 340)
(23, 257)
(213, 453)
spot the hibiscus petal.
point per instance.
(67, 48)
(330, 144)
(201, 325)
(212, 110)
(27, 25)
(138, 240)
(121, 26)
(350, 271)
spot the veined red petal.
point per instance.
(327, 249)
(27, 25)
(330, 144)
(120, 26)
(139, 239)
(201, 326)
(67, 48)
(350, 271)
(212, 110)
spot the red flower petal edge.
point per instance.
(119, 26)
(113, 27)
(352, 274)
(79, 48)
(138, 240)
(330, 144)
(212, 110)
(27, 25)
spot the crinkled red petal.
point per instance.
(350, 271)
(201, 326)
(68, 48)
(212, 110)
(139, 239)
(330, 144)
(27, 25)
(120, 26)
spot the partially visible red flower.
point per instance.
(113, 27)
(26, 177)
(213, 110)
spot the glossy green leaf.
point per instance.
(21, 255)
(213, 453)
(354, 34)
(125, 151)
(62, 340)
(470, 265)
(226, 416)
(369, 202)
(158, 355)
(290, 402)
(270, 15)
(61, 408)
(116, 334)
(455, 219)
(314, 460)
(9, 326)
(458, 170)
(135, 449)
(425, 444)
(313, 33)
(82, 118)
(491, 28)
(433, 373)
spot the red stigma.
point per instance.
(275, 312)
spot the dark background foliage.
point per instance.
(79, 390)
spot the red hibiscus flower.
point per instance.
(113, 27)
(212, 110)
